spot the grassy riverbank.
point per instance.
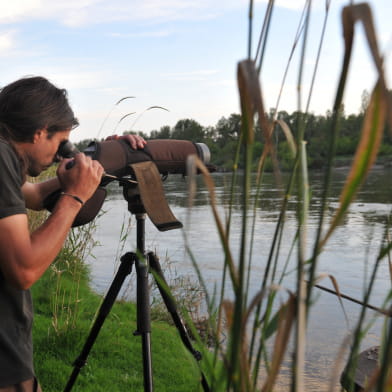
(65, 308)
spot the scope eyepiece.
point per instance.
(67, 150)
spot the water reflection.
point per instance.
(348, 256)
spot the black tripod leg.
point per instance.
(144, 321)
(172, 309)
(125, 269)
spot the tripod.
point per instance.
(143, 263)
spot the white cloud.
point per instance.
(67, 77)
(81, 12)
(77, 80)
(14, 10)
(7, 42)
(85, 12)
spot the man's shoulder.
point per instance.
(7, 153)
(6, 148)
(11, 180)
(10, 165)
(4, 142)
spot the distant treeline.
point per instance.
(222, 139)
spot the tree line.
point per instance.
(222, 139)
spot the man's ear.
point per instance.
(39, 134)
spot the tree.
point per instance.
(163, 133)
(228, 129)
(188, 130)
(139, 133)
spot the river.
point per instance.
(349, 255)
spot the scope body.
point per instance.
(116, 156)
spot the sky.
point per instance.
(177, 59)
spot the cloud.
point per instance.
(85, 12)
(75, 13)
(74, 78)
(7, 42)
(15, 10)
(67, 76)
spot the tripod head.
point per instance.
(131, 194)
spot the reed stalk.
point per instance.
(258, 330)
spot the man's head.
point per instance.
(35, 117)
(33, 103)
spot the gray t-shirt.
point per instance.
(16, 310)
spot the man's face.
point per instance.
(42, 152)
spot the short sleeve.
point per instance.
(11, 197)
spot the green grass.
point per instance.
(65, 308)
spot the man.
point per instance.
(35, 117)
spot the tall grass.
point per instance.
(252, 335)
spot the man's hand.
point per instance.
(135, 141)
(82, 179)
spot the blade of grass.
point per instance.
(286, 319)
(121, 119)
(366, 153)
(110, 112)
(249, 98)
(209, 182)
(350, 15)
(336, 292)
(289, 136)
(144, 111)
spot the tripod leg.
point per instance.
(125, 269)
(144, 321)
(172, 309)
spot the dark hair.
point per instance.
(33, 103)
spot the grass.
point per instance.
(65, 308)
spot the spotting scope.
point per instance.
(117, 158)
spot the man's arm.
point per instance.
(24, 257)
(35, 193)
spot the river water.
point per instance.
(348, 256)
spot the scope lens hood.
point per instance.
(203, 152)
